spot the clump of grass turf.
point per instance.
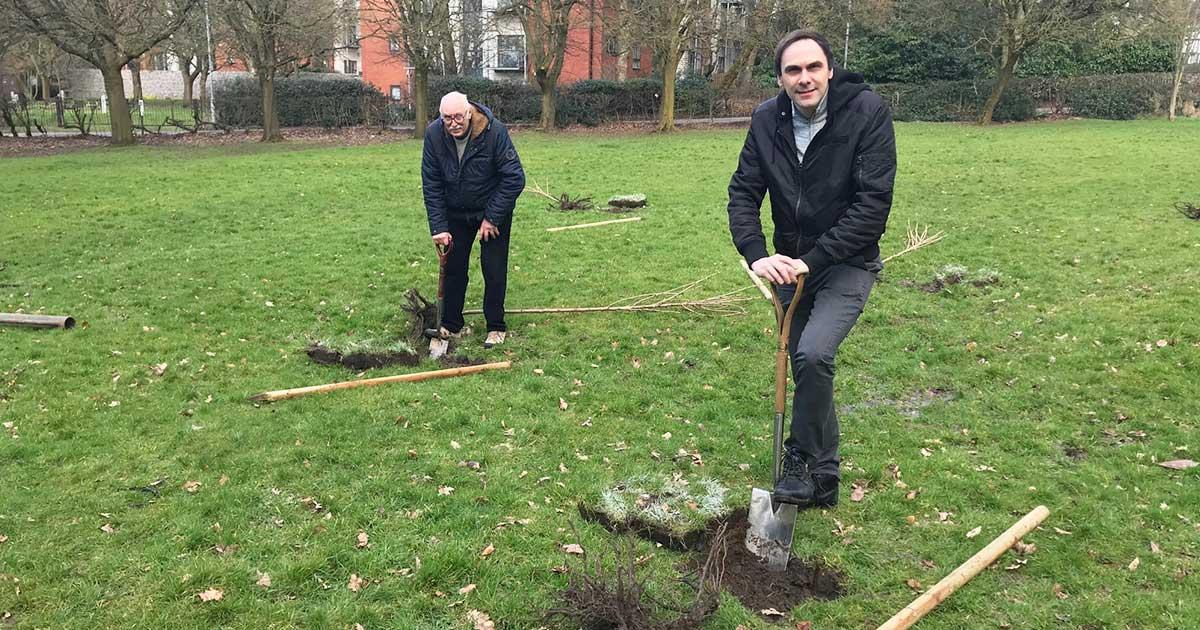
(674, 511)
(362, 354)
(1188, 210)
(954, 274)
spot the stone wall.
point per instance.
(155, 84)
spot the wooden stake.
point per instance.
(284, 394)
(967, 570)
(588, 225)
(37, 321)
(762, 288)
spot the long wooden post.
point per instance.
(284, 394)
(36, 321)
(967, 570)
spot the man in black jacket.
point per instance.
(825, 150)
(471, 177)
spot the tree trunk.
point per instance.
(135, 78)
(45, 82)
(666, 112)
(724, 83)
(185, 71)
(1177, 78)
(549, 104)
(204, 106)
(1002, 78)
(420, 100)
(271, 131)
(118, 107)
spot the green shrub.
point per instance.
(1114, 101)
(304, 100)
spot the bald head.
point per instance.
(456, 113)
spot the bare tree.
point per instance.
(105, 33)
(546, 24)
(1009, 28)
(1177, 21)
(418, 26)
(280, 36)
(664, 26)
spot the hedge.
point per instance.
(304, 100)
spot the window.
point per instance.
(397, 93)
(610, 45)
(393, 44)
(636, 58)
(510, 52)
(349, 66)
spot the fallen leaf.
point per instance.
(911, 519)
(974, 532)
(1154, 548)
(480, 620)
(445, 490)
(455, 445)
(212, 595)
(562, 568)
(223, 480)
(3, 538)
(159, 369)
(264, 580)
(356, 583)
(1024, 549)
(770, 612)
(572, 548)
(487, 551)
(466, 589)
(1178, 464)
(926, 452)
(1058, 591)
(1135, 564)
(914, 584)
(107, 529)
(857, 493)
(363, 541)
(192, 486)
(804, 625)
(539, 371)
(562, 404)
(1061, 532)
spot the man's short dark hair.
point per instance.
(795, 36)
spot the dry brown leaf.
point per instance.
(192, 486)
(356, 583)
(572, 548)
(212, 595)
(539, 371)
(480, 620)
(974, 532)
(455, 445)
(264, 580)
(857, 493)
(1024, 549)
(1135, 564)
(1178, 464)
(487, 551)
(804, 625)
(1061, 532)
(159, 369)
(3, 539)
(466, 589)
(912, 494)
(926, 452)
(362, 541)
(914, 584)
(445, 490)
(107, 528)
(1154, 548)
(1058, 591)
(562, 404)
(562, 568)
(770, 612)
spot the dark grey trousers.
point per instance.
(831, 303)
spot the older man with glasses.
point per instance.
(471, 177)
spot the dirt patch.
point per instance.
(746, 576)
(910, 406)
(1074, 453)
(360, 360)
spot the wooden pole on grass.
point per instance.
(762, 288)
(284, 394)
(37, 321)
(967, 570)
(588, 225)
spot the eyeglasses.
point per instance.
(455, 118)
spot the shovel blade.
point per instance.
(438, 348)
(771, 527)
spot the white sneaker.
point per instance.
(494, 338)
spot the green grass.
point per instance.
(157, 112)
(172, 255)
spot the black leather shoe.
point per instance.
(795, 483)
(825, 490)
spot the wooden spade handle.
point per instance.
(967, 570)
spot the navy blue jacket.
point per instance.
(835, 207)
(485, 185)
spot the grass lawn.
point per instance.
(1063, 385)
